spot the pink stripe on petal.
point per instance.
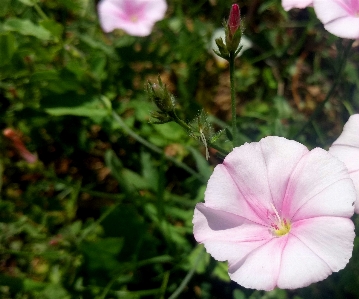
(210, 224)
(300, 266)
(261, 171)
(347, 6)
(316, 171)
(335, 200)
(340, 17)
(223, 194)
(345, 27)
(330, 238)
(260, 268)
(225, 235)
(273, 210)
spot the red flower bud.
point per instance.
(234, 21)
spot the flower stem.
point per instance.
(184, 125)
(338, 77)
(40, 12)
(233, 99)
(154, 148)
(188, 277)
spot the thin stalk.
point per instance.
(188, 277)
(155, 148)
(40, 11)
(166, 277)
(233, 100)
(319, 108)
(184, 125)
(89, 229)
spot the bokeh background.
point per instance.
(106, 210)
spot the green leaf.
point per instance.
(128, 180)
(103, 253)
(202, 164)
(221, 271)
(29, 2)
(74, 104)
(149, 171)
(198, 259)
(238, 294)
(7, 47)
(26, 27)
(55, 291)
(4, 7)
(52, 26)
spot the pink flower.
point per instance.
(289, 4)
(346, 148)
(340, 17)
(279, 213)
(136, 17)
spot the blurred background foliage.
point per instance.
(106, 211)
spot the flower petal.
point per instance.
(346, 149)
(226, 236)
(347, 27)
(300, 266)
(330, 238)
(317, 171)
(223, 194)
(260, 269)
(336, 200)
(116, 14)
(338, 17)
(155, 9)
(261, 171)
(108, 12)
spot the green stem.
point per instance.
(155, 148)
(233, 100)
(188, 277)
(338, 77)
(184, 125)
(40, 11)
(93, 226)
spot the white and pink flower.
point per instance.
(136, 17)
(279, 214)
(340, 17)
(346, 149)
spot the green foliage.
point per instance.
(106, 211)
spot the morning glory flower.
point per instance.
(340, 17)
(289, 4)
(136, 17)
(279, 214)
(346, 148)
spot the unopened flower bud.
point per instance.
(234, 21)
(159, 94)
(233, 30)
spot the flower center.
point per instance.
(279, 227)
(134, 18)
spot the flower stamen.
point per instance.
(280, 227)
